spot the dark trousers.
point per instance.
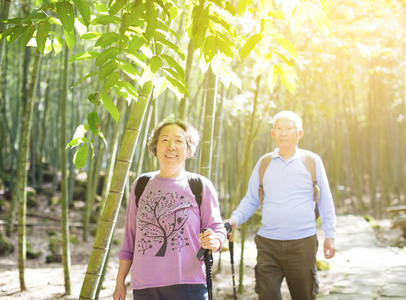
(172, 292)
(295, 260)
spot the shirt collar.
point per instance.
(275, 153)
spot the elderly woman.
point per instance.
(162, 227)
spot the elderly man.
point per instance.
(287, 242)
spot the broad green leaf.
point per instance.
(84, 55)
(172, 46)
(57, 44)
(76, 142)
(66, 15)
(171, 62)
(129, 69)
(272, 77)
(107, 69)
(107, 39)
(160, 84)
(42, 35)
(286, 44)
(105, 20)
(91, 35)
(288, 77)
(319, 18)
(116, 6)
(106, 55)
(69, 39)
(209, 48)
(297, 20)
(80, 157)
(93, 98)
(110, 81)
(80, 131)
(80, 27)
(276, 14)
(48, 47)
(242, 6)
(175, 75)
(35, 16)
(17, 21)
(250, 44)
(94, 122)
(262, 64)
(10, 31)
(100, 7)
(151, 18)
(146, 76)
(84, 10)
(175, 90)
(224, 47)
(155, 63)
(26, 35)
(103, 138)
(179, 85)
(136, 43)
(86, 77)
(326, 6)
(110, 106)
(126, 90)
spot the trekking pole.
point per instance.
(231, 246)
(208, 261)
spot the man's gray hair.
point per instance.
(294, 117)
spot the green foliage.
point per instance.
(5, 245)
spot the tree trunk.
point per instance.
(23, 166)
(208, 125)
(66, 262)
(108, 220)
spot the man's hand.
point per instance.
(329, 248)
(232, 222)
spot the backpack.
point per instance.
(195, 184)
(308, 160)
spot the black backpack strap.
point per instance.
(140, 187)
(196, 185)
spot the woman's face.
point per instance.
(171, 148)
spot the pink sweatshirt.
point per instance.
(161, 236)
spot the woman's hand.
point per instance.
(120, 292)
(209, 240)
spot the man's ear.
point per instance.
(301, 133)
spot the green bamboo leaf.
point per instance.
(250, 44)
(160, 84)
(16, 21)
(84, 55)
(80, 157)
(151, 17)
(129, 69)
(262, 64)
(288, 77)
(57, 44)
(155, 63)
(105, 20)
(171, 62)
(136, 43)
(286, 44)
(116, 5)
(276, 14)
(42, 35)
(209, 48)
(110, 81)
(86, 77)
(242, 6)
(76, 142)
(9, 32)
(272, 77)
(176, 83)
(106, 55)
(26, 35)
(127, 89)
(94, 122)
(172, 46)
(69, 38)
(66, 15)
(91, 35)
(92, 97)
(319, 18)
(110, 106)
(84, 10)
(297, 20)
(107, 69)
(107, 39)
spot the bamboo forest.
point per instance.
(83, 83)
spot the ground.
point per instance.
(46, 281)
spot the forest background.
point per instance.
(97, 77)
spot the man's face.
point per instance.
(285, 134)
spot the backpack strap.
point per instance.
(196, 185)
(310, 164)
(194, 180)
(265, 161)
(140, 187)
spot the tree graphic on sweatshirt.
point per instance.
(161, 216)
